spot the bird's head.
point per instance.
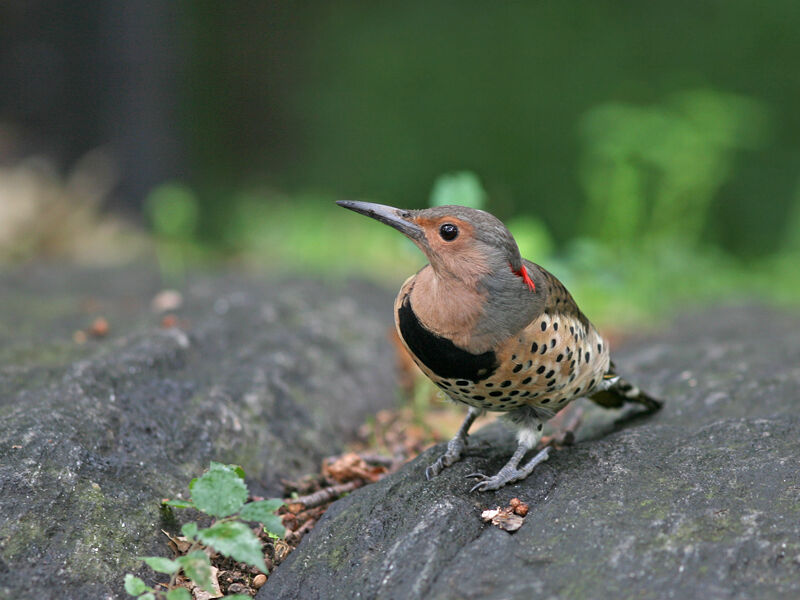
(460, 242)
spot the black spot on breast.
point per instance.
(517, 368)
(495, 394)
(526, 381)
(506, 383)
(440, 354)
(534, 347)
(541, 369)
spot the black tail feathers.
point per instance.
(620, 392)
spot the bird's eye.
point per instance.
(448, 231)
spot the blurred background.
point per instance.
(646, 153)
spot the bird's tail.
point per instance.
(618, 392)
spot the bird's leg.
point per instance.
(528, 438)
(456, 446)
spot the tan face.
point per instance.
(452, 247)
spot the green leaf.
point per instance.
(274, 526)
(189, 530)
(147, 596)
(180, 593)
(220, 492)
(215, 466)
(198, 568)
(234, 539)
(161, 565)
(260, 510)
(179, 503)
(237, 597)
(134, 586)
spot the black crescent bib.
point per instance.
(440, 354)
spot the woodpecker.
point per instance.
(496, 332)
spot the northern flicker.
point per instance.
(495, 331)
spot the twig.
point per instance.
(326, 494)
(294, 537)
(379, 459)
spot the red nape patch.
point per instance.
(523, 272)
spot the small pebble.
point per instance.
(99, 328)
(259, 580)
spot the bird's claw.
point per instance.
(508, 474)
(434, 469)
(455, 450)
(486, 483)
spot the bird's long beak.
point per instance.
(402, 220)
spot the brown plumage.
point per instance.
(495, 331)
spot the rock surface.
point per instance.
(699, 501)
(272, 376)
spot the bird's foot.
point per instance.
(455, 450)
(509, 473)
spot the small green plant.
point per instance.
(222, 494)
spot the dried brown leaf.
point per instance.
(350, 466)
(504, 518)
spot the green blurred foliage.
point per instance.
(173, 211)
(654, 171)
(623, 280)
(462, 188)
(309, 235)
(375, 100)
(646, 153)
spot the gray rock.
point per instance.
(270, 375)
(699, 501)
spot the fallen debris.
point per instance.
(99, 327)
(166, 300)
(509, 518)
